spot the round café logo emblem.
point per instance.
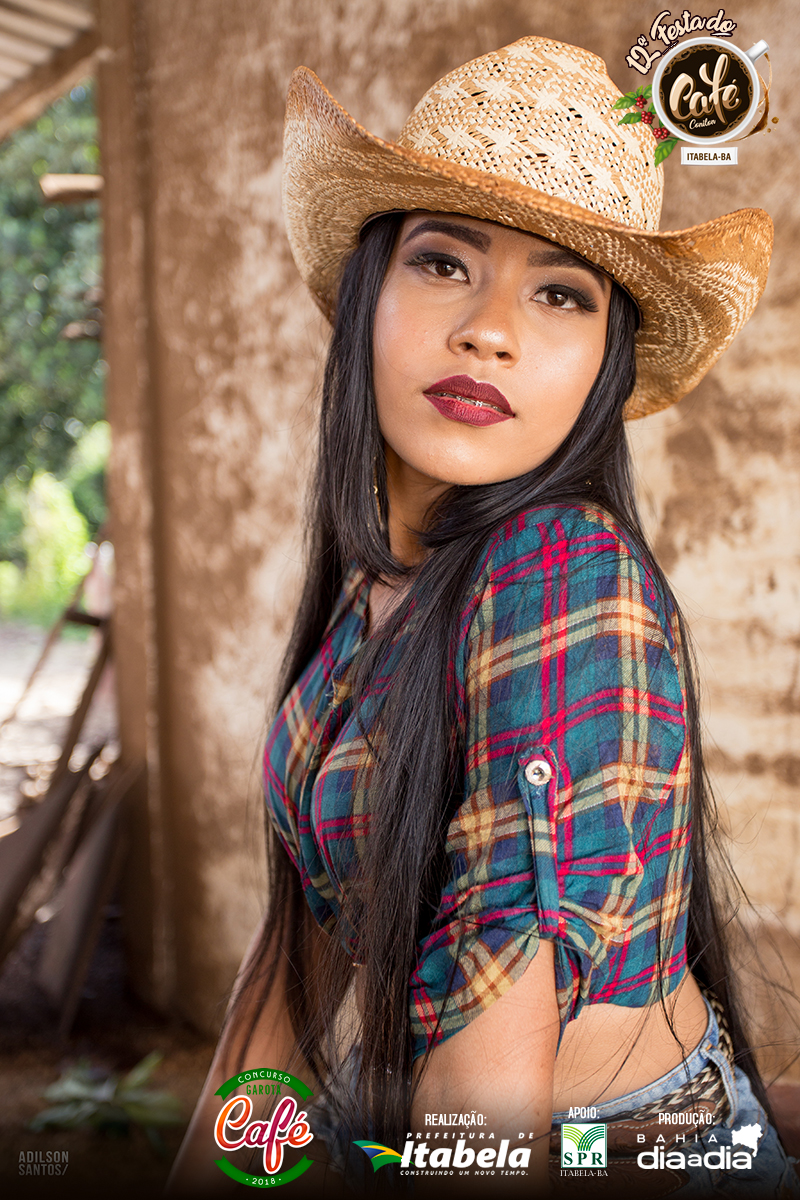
(287, 1128)
(707, 91)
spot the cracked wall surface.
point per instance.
(215, 352)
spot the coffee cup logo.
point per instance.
(707, 91)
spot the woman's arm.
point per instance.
(500, 1066)
(272, 1044)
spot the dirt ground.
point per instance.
(112, 1029)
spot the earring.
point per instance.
(376, 494)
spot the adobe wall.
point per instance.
(215, 355)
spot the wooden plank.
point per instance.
(22, 852)
(75, 16)
(70, 189)
(23, 49)
(89, 882)
(76, 617)
(30, 96)
(72, 614)
(52, 638)
(12, 67)
(39, 892)
(79, 716)
(36, 28)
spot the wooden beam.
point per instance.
(88, 884)
(59, 10)
(13, 68)
(24, 49)
(79, 716)
(35, 28)
(23, 852)
(30, 96)
(70, 189)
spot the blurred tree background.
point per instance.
(53, 439)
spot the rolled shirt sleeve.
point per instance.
(574, 824)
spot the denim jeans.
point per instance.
(772, 1174)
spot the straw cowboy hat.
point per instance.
(528, 136)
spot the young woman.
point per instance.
(491, 837)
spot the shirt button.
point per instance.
(538, 772)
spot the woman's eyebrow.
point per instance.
(556, 256)
(540, 256)
(461, 233)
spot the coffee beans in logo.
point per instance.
(705, 91)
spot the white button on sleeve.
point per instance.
(538, 772)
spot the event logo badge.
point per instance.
(287, 1127)
(707, 92)
(583, 1147)
(706, 1151)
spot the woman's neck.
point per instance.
(411, 495)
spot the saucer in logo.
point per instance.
(707, 91)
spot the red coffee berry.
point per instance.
(641, 102)
(647, 117)
(661, 133)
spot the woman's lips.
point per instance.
(463, 399)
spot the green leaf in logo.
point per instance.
(664, 150)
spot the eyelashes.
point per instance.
(447, 266)
(433, 259)
(582, 299)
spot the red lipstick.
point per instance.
(463, 399)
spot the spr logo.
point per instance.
(286, 1127)
(583, 1147)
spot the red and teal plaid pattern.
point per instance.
(567, 657)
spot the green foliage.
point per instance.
(645, 94)
(88, 1097)
(51, 388)
(51, 257)
(630, 98)
(85, 475)
(664, 149)
(12, 524)
(51, 537)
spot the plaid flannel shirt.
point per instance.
(575, 822)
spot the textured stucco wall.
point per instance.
(232, 347)
(720, 486)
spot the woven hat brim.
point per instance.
(695, 287)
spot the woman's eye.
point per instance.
(441, 267)
(445, 270)
(567, 298)
(555, 298)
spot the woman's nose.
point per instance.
(485, 327)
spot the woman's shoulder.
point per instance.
(569, 561)
(559, 537)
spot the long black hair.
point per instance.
(418, 775)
